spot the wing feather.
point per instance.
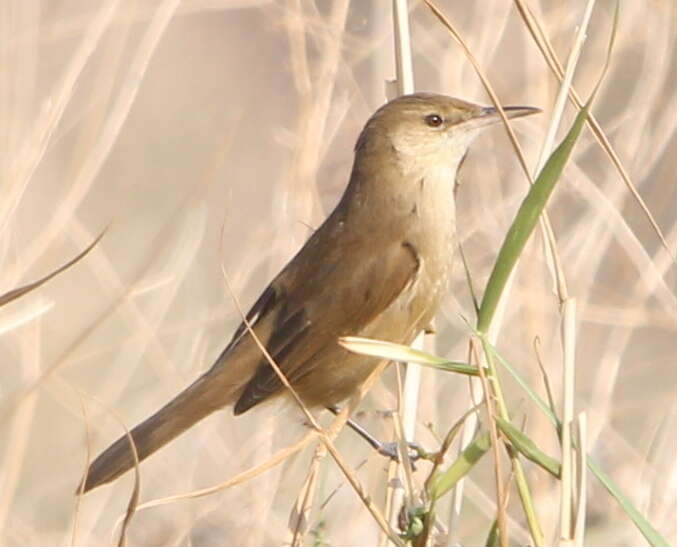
(314, 314)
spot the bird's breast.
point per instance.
(423, 217)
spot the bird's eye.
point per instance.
(434, 120)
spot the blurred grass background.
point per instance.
(172, 120)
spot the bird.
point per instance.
(377, 267)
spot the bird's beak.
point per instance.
(510, 111)
(483, 116)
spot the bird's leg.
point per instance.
(389, 450)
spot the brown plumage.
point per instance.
(377, 267)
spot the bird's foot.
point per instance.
(389, 450)
(414, 451)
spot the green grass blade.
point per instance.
(492, 538)
(525, 221)
(654, 538)
(525, 446)
(652, 535)
(404, 354)
(522, 383)
(473, 453)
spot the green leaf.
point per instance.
(522, 383)
(643, 525)
(446, 480)
(492, 538)
(649, 532)
(403, 354)
(528, 448)
(525, 221)
(515, 240)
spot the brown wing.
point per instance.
(315, 299)
(315, 302)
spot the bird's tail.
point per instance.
(197, 401)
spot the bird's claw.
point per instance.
(390, 450)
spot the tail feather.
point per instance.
(196, 402)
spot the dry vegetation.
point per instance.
(176, 122)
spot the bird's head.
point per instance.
(426, 128)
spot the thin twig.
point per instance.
(501, 496)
